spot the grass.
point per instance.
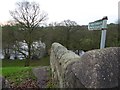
(11, 66)
(17, 77)
(0, 71)
(15, 72)
(9, 70)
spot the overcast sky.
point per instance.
(81, 11)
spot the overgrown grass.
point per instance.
(17, 77)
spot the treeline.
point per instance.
(79, 37)
(68, 33)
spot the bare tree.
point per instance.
(29, 16)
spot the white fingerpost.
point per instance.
(100, 25)
(103, 38)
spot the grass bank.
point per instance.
(15, 72)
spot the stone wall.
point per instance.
(4, 84)
(95, 69)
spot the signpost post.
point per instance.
(0, 53)
(100, 25)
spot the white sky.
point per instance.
(81, 11)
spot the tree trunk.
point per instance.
(7, 55)
(27, 63)
(78, 51)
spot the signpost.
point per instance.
(100, 25)
(0, 53)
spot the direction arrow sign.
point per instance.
(99, 24)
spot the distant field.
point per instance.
(20, 63)
(12, 66)
(8, 70)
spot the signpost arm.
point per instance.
(100, 25)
